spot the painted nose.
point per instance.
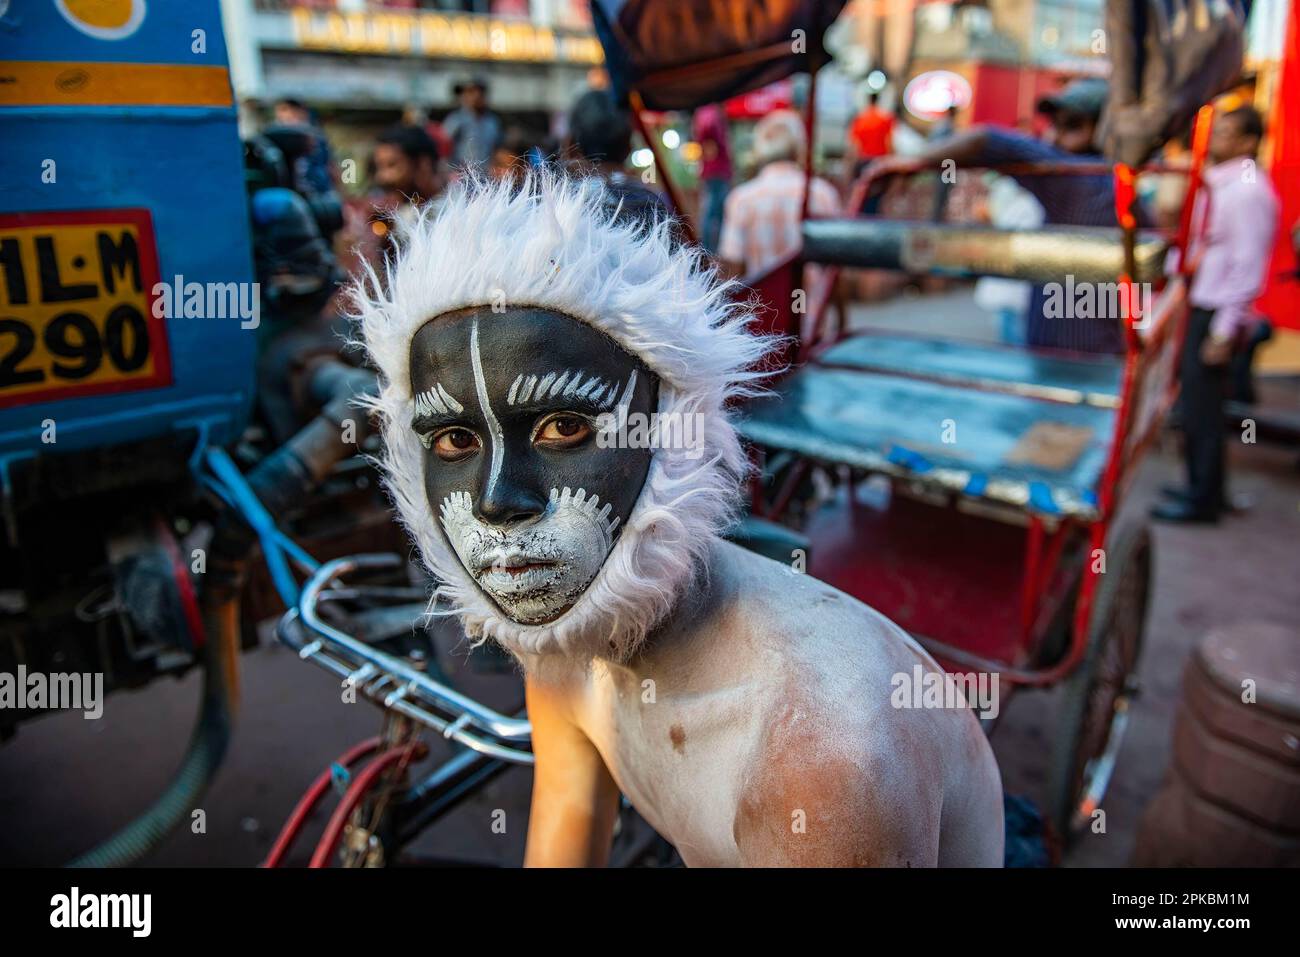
(509, 503)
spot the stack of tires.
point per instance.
(1232, 794)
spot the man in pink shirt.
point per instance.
(1233, 227)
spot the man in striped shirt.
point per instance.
(761, 221)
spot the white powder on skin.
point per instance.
(567, 543)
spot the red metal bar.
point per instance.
(788, 488)
(356, 793)
(1135, 371)
(1126, 216)
(638, 108)
(1030, 579)
(311, 797)
(818, 341)
(1048, 566)
(1171, 321)
(1174, 323)
(1200, 149)
(826, 284)
(1106, 495)
(1163, 322)
(810, 133)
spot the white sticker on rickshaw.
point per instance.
(103, 19)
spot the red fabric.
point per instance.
(872, 132)
(758, 103)
(711, 133)
(1281, 299)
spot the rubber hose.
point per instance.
(206, 750)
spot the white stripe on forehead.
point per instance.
(494, 427)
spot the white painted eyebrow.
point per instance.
(606, 395)
(568, 383)
(436, 401)
(518, 394)
(559, 383)
(552, 384)
(626, 401)
(581, 390)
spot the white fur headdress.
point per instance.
(556, 243)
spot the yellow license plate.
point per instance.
(77, 306)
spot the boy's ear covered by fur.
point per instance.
(556, 243)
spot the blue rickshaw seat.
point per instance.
(1011, 426)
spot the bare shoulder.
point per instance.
(798, 615)
(844, 776)
(819, 794)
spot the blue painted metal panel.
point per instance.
(163, 31)
(184, 166)
(1094, 379)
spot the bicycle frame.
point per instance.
(391, 682)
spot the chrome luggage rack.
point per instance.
(391, 682)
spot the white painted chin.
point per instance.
(536, 571)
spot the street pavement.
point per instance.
(66, 783)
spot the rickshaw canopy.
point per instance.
(680, 56)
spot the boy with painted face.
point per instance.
(533, 515)
(747, 711)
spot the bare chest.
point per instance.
(681, 758)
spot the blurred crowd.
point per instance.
(409, 165)
(751, 182)
(746, 202)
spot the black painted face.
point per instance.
(508, 405)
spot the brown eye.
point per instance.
(563, 431)
(453, 445)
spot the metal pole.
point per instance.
(638, 106)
